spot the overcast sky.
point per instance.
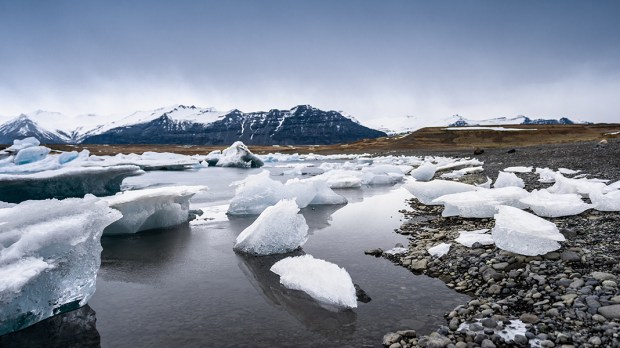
(371, 59)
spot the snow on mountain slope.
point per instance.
(23, 127)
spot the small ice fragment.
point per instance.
(425, 172)
(609, 201)
(508, 180)
(523, 233)
(518, 170)
(567, 171)
(439, 250)
(322, 280)
(486, 184)
(469, 238)
(277, 230)
(396, 251)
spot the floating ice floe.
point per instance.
(425, 172)
(508, 180)
(65, 182)
(481, 203)
(609, 201)
(427, 192)
(322, 280)
(523, 233)
(259, 191)
(518, 170)
(439, 250)
(339, 179)
(148, 209)
(147, 161)
(238, 155)
(546, 204)
(49, 257)
(277, 230)
(469, 238)
(459, 173)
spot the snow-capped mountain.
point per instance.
(408, 124)
(180, 124)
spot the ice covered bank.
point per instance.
(238, 155)
(65, 182)
(257, 192)
(322, 280)
(151, 208)
(50, 253)
(278, 230)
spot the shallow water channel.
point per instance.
(186, 287)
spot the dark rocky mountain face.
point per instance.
(301, 125)
(23, 127)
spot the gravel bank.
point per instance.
(566, 298)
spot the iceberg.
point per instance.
(439, 250)
(65, 182)
(523, 233)
(31, 154)
(238, 155)
(322, 280)
(482, 203)
(508, 180)
(426, 192)
(546, 204)
(50, 253)
(469, 238)
(277, 230)
(339, 179)
(20, 144)
(325, 195)
(425, 172)
(148, 209)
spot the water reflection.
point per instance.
(330, 324)
(142, 257)
(72, 329)
(319, 217)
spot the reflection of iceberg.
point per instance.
(309, 312)
(319, 217)
(142, 257)
(72, 329)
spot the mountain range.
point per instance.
(181, 124)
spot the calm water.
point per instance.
(186, 287)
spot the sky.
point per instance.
(371, 59)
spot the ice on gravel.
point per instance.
(581, 186)
(523, 233)
(149, 209)
(50, 253)
(425, 172)
(427, 192)
(396, 251)
(459, 173)
(544, 203)
(277, 230)
(609, 201)
(238, 155)
(439, 250)
(481, 203)
(469, 238)
(257, 192)
(322, 280)
(518, 170)
(508, 180)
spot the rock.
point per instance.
(454, 324)
(374, 252)
(521, 340)
(362, 296)
(609, 284)
(487, 343)
(434, 340)
(570, 256)
(511, 151)
(500, 265)
(489, 322)
(529, 318)
(395, 345)
(407, 333)
(595, 341)
(478, 151)
(610, 312)
(568, 298)
(419, 265)
(600, 276)
(390, 338)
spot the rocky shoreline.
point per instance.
(566, 298)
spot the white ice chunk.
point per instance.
(20, 144)
(238, 155)
(486, 184)
(49, 257)
(546, 204)
(546, 175)
(425, 172)
(396, 251)
(518, 169)
(277, 230)
(469, 238)
(338, 179)
(461, 163)
(426, 192)
(609, 201)
(567, 171)
(31, 154)
(302, 190)
(508, 180)
(325, 195)
(213, 157)
(523, 233)
(148, 209)
(581, 186)
(322, 280)
(439, 250)
(67, 157)
(255, 193)
(455, 174)
(482, 203)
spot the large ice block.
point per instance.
(426, 192)
(238, 155)
(544, 203)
